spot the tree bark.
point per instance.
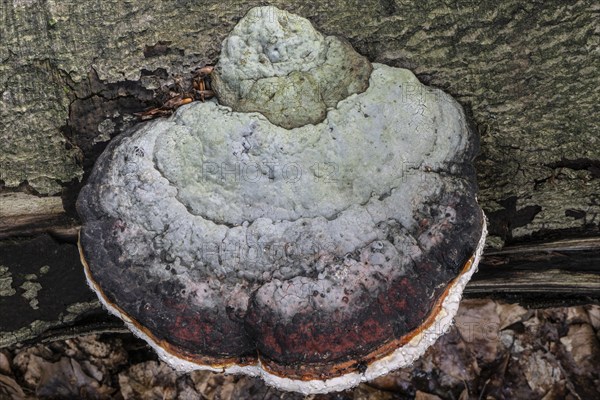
(73, 73)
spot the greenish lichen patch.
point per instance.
(41, 273)
(30, 290)
(6, 281)
(37, 327)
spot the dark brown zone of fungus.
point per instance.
(315, 345)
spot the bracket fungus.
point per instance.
(315, 243)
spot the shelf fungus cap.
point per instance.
(315, 256)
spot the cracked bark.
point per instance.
(524, 72)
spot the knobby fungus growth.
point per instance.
(316, 226)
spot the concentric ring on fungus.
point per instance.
(316, 251)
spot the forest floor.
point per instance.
(495, 350)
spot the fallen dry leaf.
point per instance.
(509, 314)
(10, 389)
(593, 312)
(479, 326)
(148, 380)
(66, 379)
(581, 343)
(540, 372)
(426, 396)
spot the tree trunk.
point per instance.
(73, 73)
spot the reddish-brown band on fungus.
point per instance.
(309, 372)
(295, 372)
(299, 371)
(148, 335)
